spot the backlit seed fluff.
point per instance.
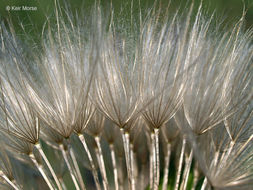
(161, 99)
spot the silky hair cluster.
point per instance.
(165, 103)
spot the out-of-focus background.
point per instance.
(33, 20)
(37, 12)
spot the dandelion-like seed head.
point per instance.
(164, 101)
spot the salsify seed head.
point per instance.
(164, 100)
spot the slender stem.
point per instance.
(79, 176)
(10, 182)
(166, 168)
(151, 163)
(101, 163)
(126, 143)
(93, 168)
(179, 170)
(204, 184)
(186, 171)
(114, 165)
(65, 156)
(133, 166)
(40, 168)
(38, 146)
(157, 161)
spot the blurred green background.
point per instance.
(229, 10)
(33, 21)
